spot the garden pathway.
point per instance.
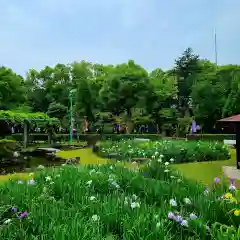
(231, 172)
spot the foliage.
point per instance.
(37, 137)
(232, 104)
(125, 89)
(179, 150)
(57, 110)
(211, 137)
(111, 202)
(12, 89)
(19, 117)
(128, 92)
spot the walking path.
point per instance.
(231, 172)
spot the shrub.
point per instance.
(181, 151)
(111, 202)
(116, 137)
(211, 137)
(34, 137)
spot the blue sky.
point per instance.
(35, 33)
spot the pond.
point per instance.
(17, 161)
(28, 166)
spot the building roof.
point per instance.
(235, 118)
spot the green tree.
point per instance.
(208, 100)
(162, 98)
(12, 89)
(126, 88)
(186, 69)
(36, 92)
(57, 110)
(232, 104)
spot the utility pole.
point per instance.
(215, 47)
(71, 120)
(71, 115)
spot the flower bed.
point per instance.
(111, 202)
(181, 151)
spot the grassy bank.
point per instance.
(205, 172)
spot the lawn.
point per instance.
(205, 172)
(86, 156)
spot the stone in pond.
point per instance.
(16, 154)
(140, 160)
(40, 167)
(74, 160)
(113, 155)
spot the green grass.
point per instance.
(205, 172)
(86, 156)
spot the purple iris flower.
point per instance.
(31, 182)
(178, 218)
(216, 180)
(23, 215)
(232, 180)
(14, 209)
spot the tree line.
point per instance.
(194, 88)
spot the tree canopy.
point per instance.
(193, 88)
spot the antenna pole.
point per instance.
(215, 47)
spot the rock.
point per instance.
(113, 155)
(74, 160)
(49, 149)
(141, 139)
(140, 160)
(78, 159)
(28, 169)
(95, 148)
(16, 154)
(40, 167)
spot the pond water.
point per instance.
(28, 166)
(30, 159)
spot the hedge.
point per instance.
(211, 137)
(34, 137)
